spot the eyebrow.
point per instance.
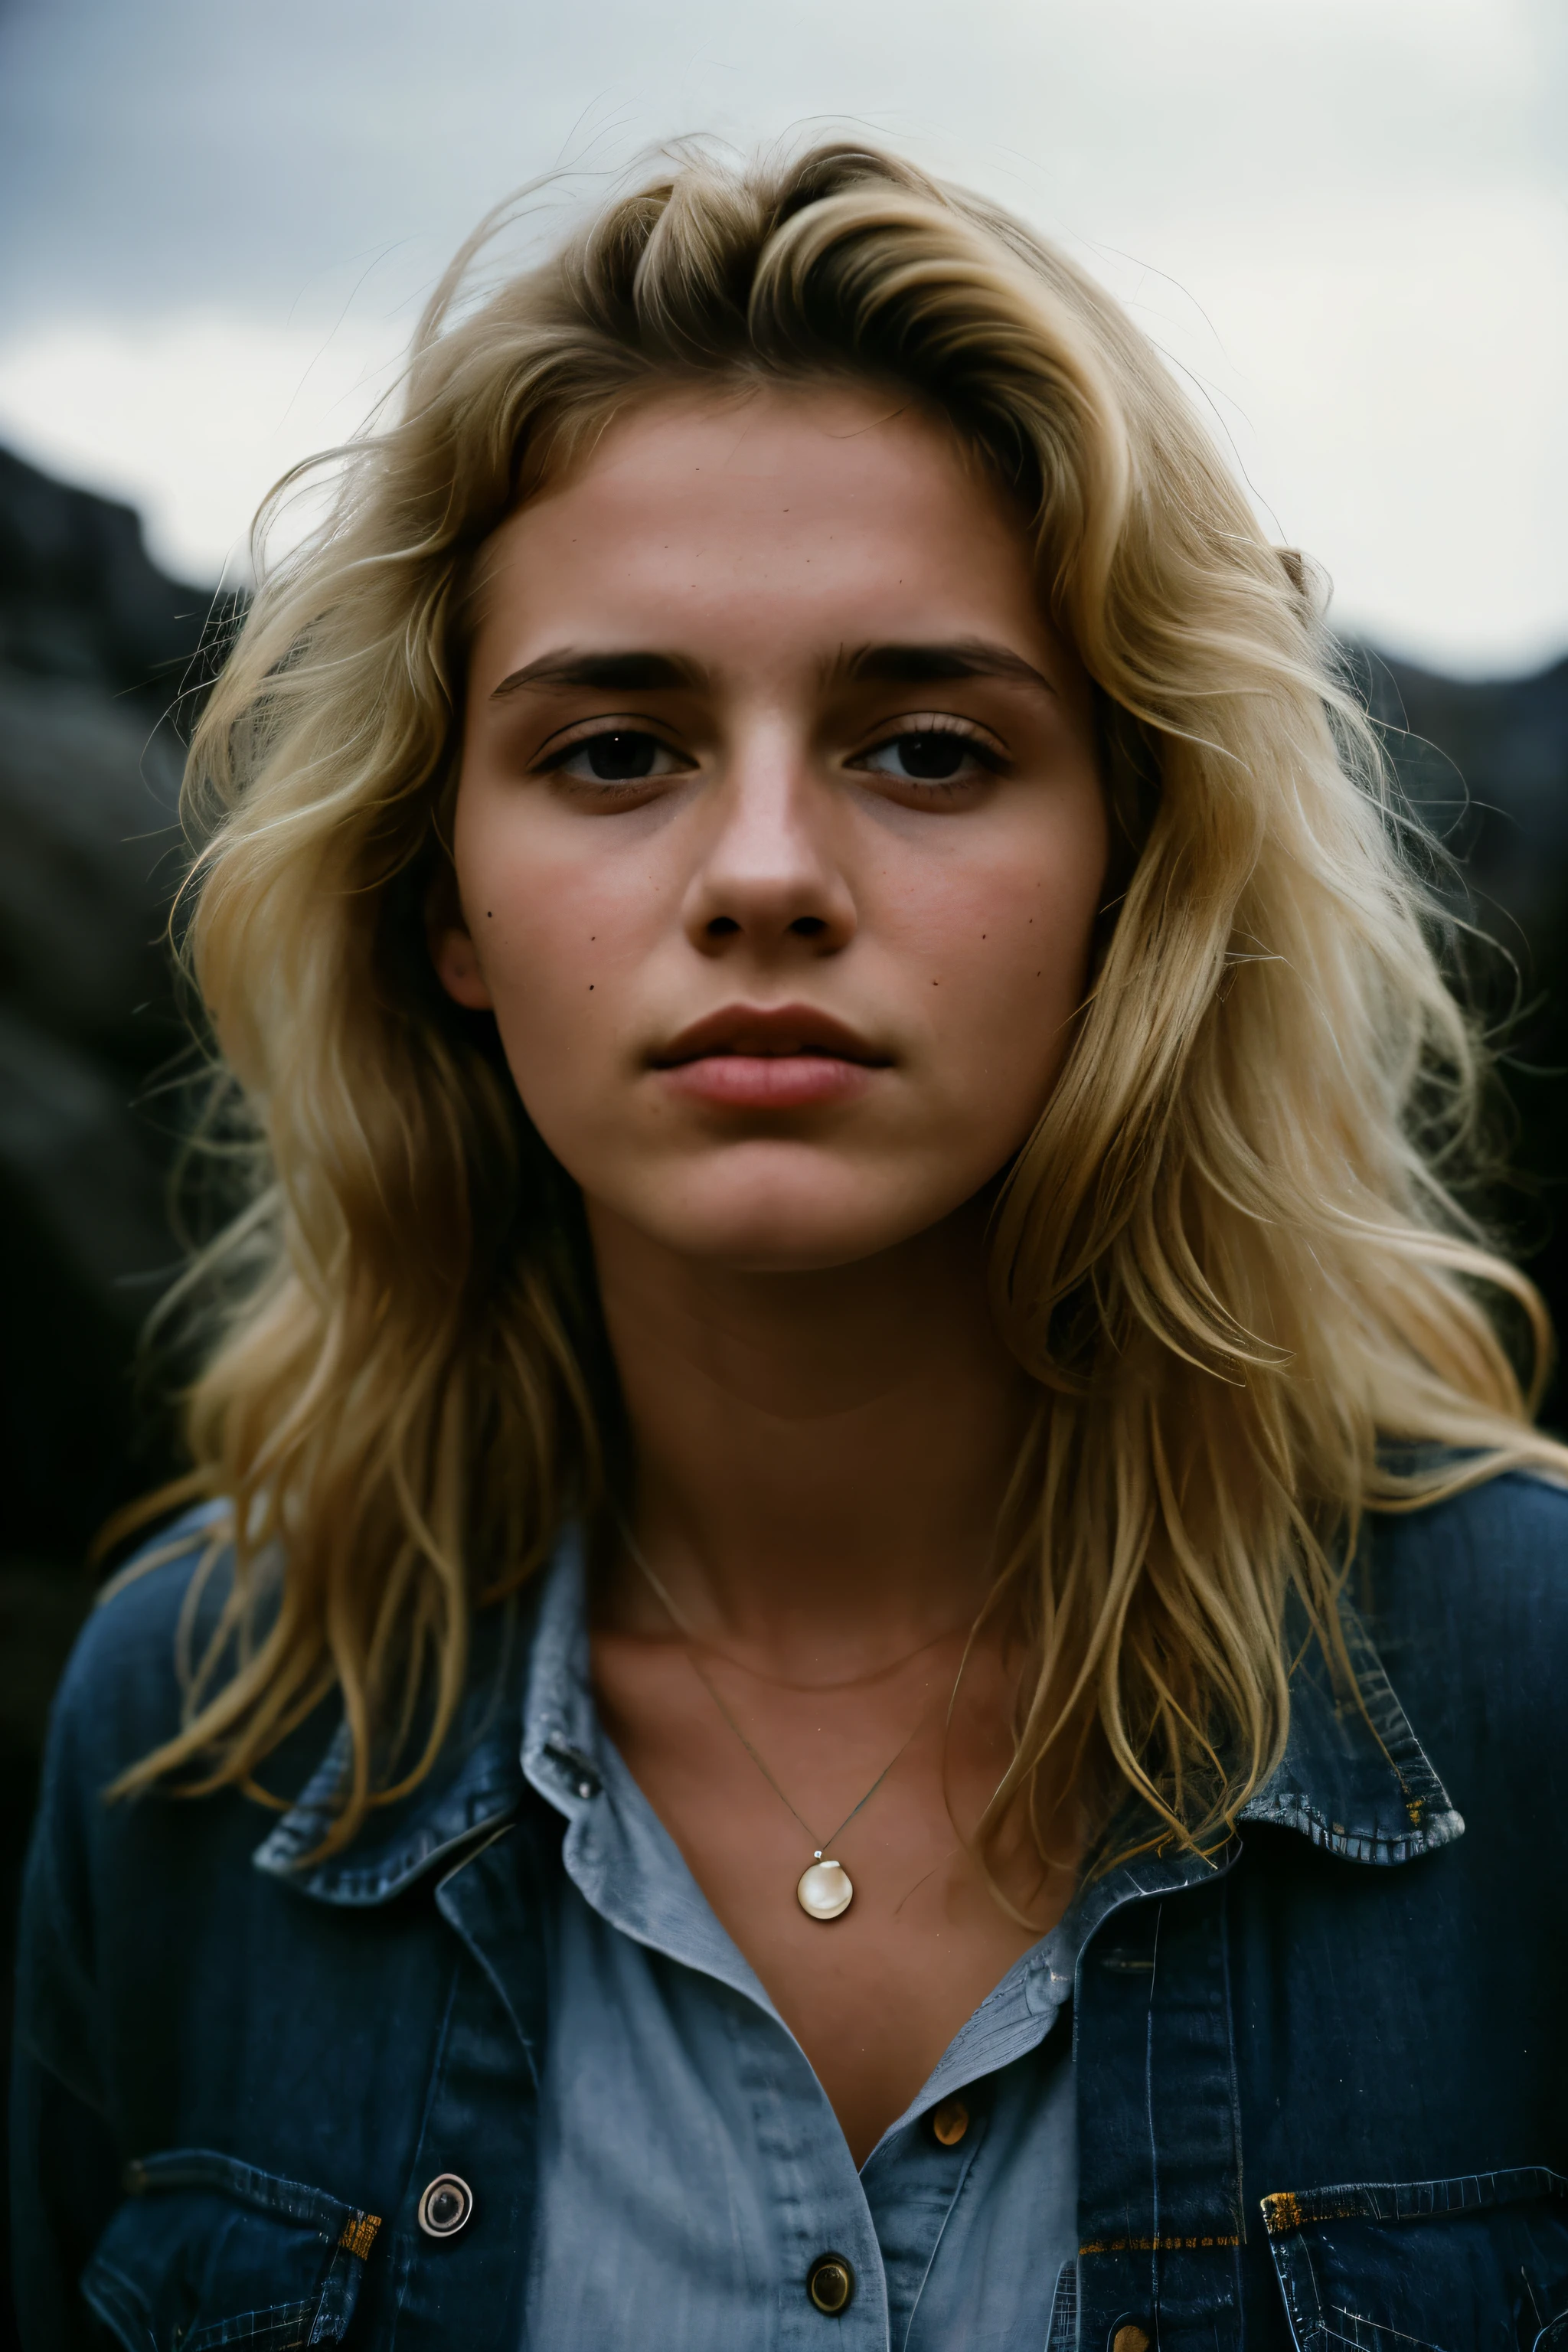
(617, 673)
(898, 665)
(648, 672)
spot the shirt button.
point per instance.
(831, 2283)
(1129, 2339)
(446, 2206)
(948, 2125)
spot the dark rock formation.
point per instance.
(1488, 764)
(95, 647)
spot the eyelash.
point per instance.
(912, 726)
(981, 747)
(599, 730)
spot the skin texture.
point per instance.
(785, 998)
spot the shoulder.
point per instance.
(123, 1689)
(119, 1697)
(1494, 1556)
(1467, 1601)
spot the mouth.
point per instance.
(785, 1057)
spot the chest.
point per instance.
(688, 2155)
(876, 1994)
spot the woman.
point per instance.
(853, 1379)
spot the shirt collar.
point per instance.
(562, 1743)
(1354, 1779)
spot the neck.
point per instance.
(821, 1458)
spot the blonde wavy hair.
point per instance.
(1233, 1254)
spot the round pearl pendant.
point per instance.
(824, 1891)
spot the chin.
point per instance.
(802, 1222)
(809, 1254)
(773, 1245)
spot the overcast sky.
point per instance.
(1345, 221)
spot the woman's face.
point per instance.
(779, 836)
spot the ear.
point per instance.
(450, 943)
(458, 969)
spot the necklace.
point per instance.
(824, 1889)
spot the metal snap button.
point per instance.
(1129, 2339)
(949, 2122)
(446, 2206)
(830, 2285)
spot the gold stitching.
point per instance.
(1154, 2246)
(1288, 2209)
(359, 2233)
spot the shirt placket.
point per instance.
(917, 2174)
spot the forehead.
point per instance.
(745, 444)
(801, 506)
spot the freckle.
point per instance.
(591, 985)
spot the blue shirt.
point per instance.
(1321, 2071)
(680, 2120)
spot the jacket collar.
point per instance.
(1354, 1779)
(473, 1789)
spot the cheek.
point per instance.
(529, 933)
(560, 937)
(1007, 949)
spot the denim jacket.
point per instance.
(1322, 2097)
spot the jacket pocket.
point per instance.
(1478, 2264)
(207, 2250)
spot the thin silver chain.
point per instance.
(682, 1628)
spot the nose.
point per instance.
(771, 877)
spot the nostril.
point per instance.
(721, 926)
(806, 927)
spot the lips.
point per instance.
(785, 1057)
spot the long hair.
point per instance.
(1234, 1255)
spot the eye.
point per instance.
(931, 754)
(620, 755)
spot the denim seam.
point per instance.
(291, 2325)
(1286, 2212)
(209, 2171)
(1297, 1812)
(486, 1808)
(116, 2300)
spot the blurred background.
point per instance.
(1344, 222)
